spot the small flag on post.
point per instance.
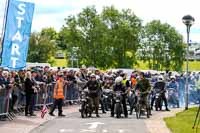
(44, 111)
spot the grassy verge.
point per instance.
(60, 62)
(193, 66)
(182, 122)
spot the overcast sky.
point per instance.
(51, 13)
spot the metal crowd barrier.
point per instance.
(4, 103)
(20, 101)
(50, 90)
(7, 109)
(40, 96)
(71, 93)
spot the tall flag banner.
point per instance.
(17, 33)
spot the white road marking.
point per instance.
(105, 131)
(94, 125)
(66, 130)
(85, 130)
(62, 130)
(69, 130)
(121, 131)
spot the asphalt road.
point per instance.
(73, 123)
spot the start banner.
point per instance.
(16, 34)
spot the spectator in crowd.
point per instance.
(83, 71)
(80, 82)
(70, 86)
(29, 89)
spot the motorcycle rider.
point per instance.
(174, 85)
(101, 94)
(133, 80)
(144, 87)
(108, 85)
(127, 84)
(161, 87)
(94, 89)
(120, 87)
(132, 97)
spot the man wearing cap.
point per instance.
(58, 95)
(94, 89)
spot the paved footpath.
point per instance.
(156, 123)
(22, 124)
(74, 124)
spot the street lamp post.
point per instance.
(188, 20)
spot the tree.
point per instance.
(41, 48)
(162, 46)
(85, 31)
(50, 33)
(109, 39)
(123, 35)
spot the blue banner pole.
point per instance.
(3, 28)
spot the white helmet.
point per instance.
(106, 75)
(97, 77)
(173, 77)
(118, 79)
(160, 78)
(92, 75)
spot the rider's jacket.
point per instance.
(93, 87)
(160, 85)
(173, 84)
(126, 83)
(143, 86)
(133, 82)
(108, 86)
(119, 87)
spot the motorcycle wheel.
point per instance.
(83, 111)
(157, 104)
(178, 105)
(138, 111)
(148, 109)
(118, 110)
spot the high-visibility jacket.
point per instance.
(133, 81)
(58, 90)
(124, 82)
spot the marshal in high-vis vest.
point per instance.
(58, 95)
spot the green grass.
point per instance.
(193, 66)
(182, 122)
(60, 62)
(142, 66)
